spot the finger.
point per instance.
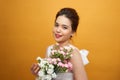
(35, 66)
(32, 67)
(36, 70)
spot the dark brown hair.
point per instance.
(71, 14)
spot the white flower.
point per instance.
(51, 66)
(41, 73)
(50, 71)
(54, 75)
(39, 58)
(43, 63)
(45, 67)
(68, 48)
(47, 77)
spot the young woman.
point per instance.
(66, 23)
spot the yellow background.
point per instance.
(25, 33)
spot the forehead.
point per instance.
(63, 20)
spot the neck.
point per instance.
(63, 43)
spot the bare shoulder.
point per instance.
(76, 53)
(78, 66)
(76, 58)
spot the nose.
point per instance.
(58, 29)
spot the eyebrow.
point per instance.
(62, 24)
(65, 25)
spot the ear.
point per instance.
(72, 34)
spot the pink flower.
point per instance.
(71, 55)
(66, 65)
(49, 60)
(61, 49)
(65, 61)
(61, 64)
(53, 52)
(54, 61)
(62, 52)
(70, 65)
(58, 59)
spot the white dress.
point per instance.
(69, 75)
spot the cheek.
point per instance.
(68, 34)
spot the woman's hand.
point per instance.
(34, 69)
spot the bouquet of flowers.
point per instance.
(46, 70)
(58, 62)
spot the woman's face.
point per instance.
(62, 30)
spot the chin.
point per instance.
(58, 41)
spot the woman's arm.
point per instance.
(78, 67)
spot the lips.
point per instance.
(58, 35)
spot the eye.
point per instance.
(64, 27)
(56, 25)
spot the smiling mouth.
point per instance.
(58, 36)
